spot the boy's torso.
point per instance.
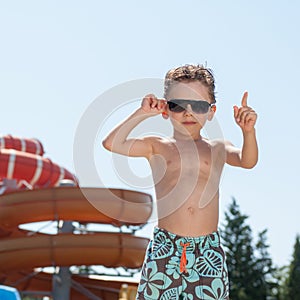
(186, 176)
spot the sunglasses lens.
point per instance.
(175, 107)
(200, 107)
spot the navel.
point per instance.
(191, 210)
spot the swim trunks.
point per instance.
(177, 267)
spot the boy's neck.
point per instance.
(186, 138)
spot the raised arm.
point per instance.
(246, 118)
(118, 141)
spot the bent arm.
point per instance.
(246, 157)
(117, 141)
(245, 117)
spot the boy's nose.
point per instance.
(188, 110)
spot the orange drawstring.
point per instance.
(183, 257)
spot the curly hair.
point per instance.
(188, 73)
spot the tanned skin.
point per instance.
(186, 167)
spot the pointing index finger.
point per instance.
(244, 99)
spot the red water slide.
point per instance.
(22, 160)
(22, 251)
(33, 146)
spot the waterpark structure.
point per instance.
(32, 190)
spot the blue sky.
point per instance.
(57, 57)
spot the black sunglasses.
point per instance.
(198, 106)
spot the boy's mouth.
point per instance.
(189, 123)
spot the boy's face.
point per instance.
(185, 118)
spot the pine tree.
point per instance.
(281, 277)
(250, 268)
(293, 282)
(237, 240)
(265, 276)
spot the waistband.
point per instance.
(204, 241)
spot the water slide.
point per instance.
(23, 161)
(22, 251)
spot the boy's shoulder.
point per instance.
(215, 142)
(158, 139)
(219, 143)
(160, 144)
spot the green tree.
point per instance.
(280, 291)
(250, 269)
(293, 281)
(266, 282)
(237, 240)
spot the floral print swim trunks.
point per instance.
(177, 267)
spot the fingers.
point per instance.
(153, 104)
(244, 99)
(245, 115)
(158, 103)
(250, 117)
(239, 112)
(235, 111)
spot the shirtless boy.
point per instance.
(184, 259)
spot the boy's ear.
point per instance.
(213, 109)
(165, 115)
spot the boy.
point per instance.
(185, 260)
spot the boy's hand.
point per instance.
(152, 104)
(245, 116)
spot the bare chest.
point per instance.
(186, 159)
